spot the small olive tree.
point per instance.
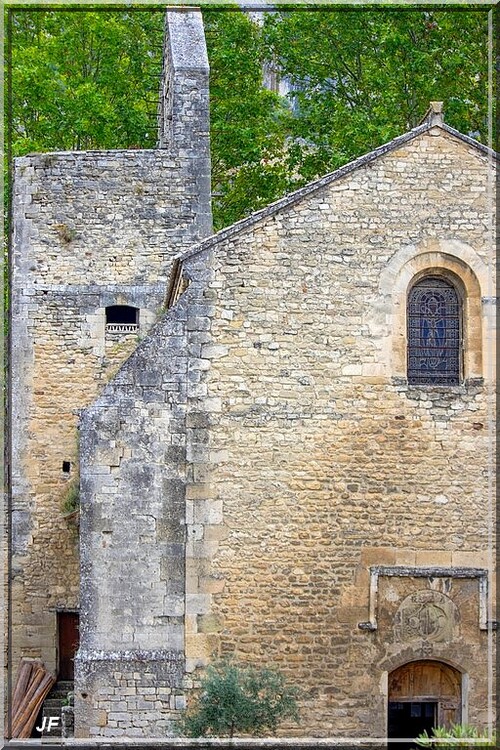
(238, 699)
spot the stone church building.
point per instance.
(282, 432)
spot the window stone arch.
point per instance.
(397, 282)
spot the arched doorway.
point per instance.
(422, 695)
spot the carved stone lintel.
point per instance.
(408, 571)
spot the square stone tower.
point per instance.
(94, 233)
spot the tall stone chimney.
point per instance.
(183, 108)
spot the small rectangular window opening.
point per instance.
(122, 319)
(66, 467)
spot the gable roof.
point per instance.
(430, 121)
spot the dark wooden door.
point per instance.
(69, 639)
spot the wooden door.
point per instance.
(68, 641)
(421, 685)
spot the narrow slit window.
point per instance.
(434, 333)
(122, 319)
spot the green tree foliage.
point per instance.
(84, 80)
(81, 80)
(89, 79)
(359, 78)
(246, 129)
(240, 700)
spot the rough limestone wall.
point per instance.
(91, 229)
(138, 445)
(320, 464)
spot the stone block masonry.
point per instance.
(143, 696)
(137, 447)
(105, 230)
(297, 456)
(91, 230)
(183, 121)
(257, 476)
(323, 463)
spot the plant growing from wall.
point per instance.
(71, 501)
(240, 699)
(69, 700)
(70, 498)
(459, 735)
(65, 233)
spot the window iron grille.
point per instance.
(121, 327)
(122, 319)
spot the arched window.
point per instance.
(434, 333)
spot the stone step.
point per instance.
(42, 720)
(61, 689)
(65, 684)
(52, 711)
(52, 704)
(60, 695)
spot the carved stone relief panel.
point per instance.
(428, 615)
